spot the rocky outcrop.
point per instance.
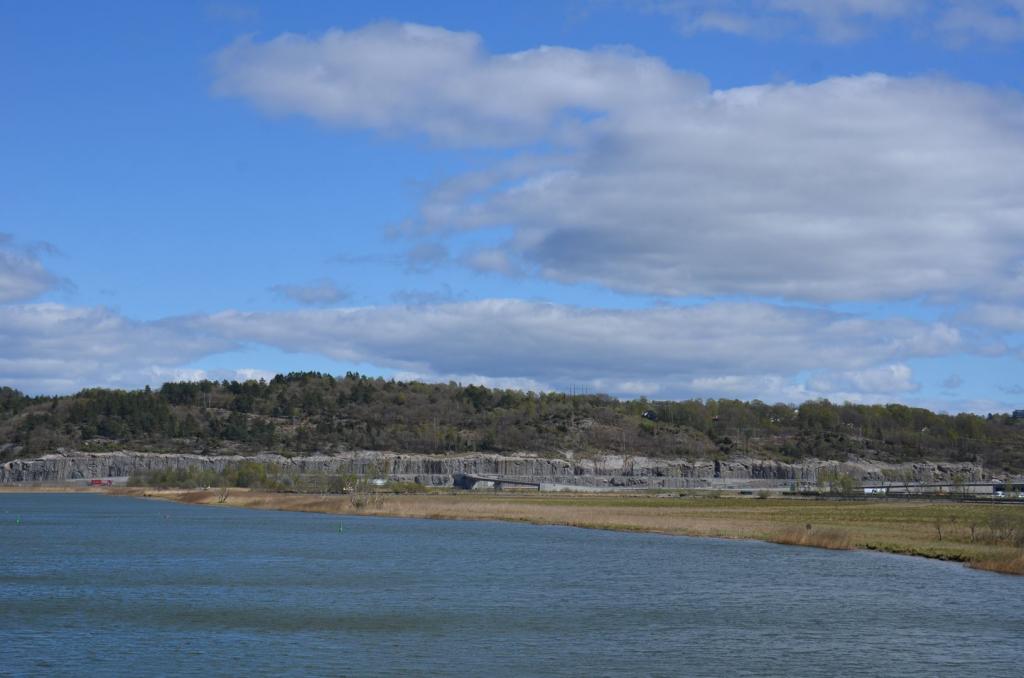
(439, 470)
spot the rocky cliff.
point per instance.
(440, 470)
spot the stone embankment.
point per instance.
(439, 470)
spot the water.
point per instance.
(101, 585)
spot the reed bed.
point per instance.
(825, 539)
(1007, 565)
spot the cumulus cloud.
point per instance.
(52, 348)
(886, 379)
(1004, 317)
(665, 348)
(852, 188)
(424, 79)
(320, 293)
(719, 349)
(22, 275)
(867, 187)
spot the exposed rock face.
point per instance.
(609, 471)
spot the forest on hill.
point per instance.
(309, 413)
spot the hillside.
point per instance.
(304, 413)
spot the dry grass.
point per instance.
(195, 497)
(825, 539)
(1008, 565)
(908, 527)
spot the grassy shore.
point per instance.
(979, 535)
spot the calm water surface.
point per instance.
(101, 585)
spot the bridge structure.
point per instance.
(468, 481)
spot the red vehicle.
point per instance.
(96, 482)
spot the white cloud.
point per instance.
(424, 79)
(834, 21)
(852, 188)
(22, 275)
(492, 260)
(516, 383)
(847, 20)
(157, 375)
(719, 349)
(768, 388)
(991, 20)
(1004, 317)
(51, 348)
(880, 384)
(666, 348)
(420, 297)
(843, 21)
(980, 406)
(725, 22)
(318, 293)
(251, 374)
(886, 379)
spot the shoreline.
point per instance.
(951, 531)
(910, 528)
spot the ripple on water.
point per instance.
(113, 585)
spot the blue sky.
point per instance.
(778, 199)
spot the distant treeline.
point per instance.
(309, 412)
